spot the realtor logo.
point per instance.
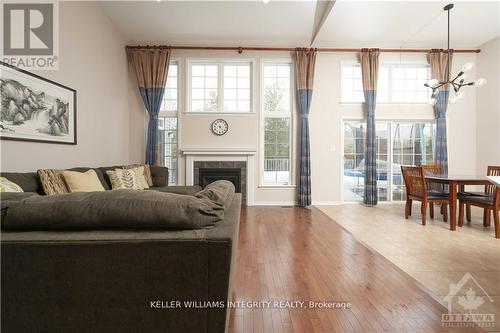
(465, 301)
(30, 34)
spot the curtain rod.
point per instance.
(240, 49)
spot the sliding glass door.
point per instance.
(398, 143)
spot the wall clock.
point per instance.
(220, 127)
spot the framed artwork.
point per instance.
(33, 108)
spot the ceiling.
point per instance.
(391, 24)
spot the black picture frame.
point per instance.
(72, 122)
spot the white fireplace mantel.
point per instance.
(218, 151)
(222, 154)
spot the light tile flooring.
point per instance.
(431, 254)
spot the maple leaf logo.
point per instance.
(470, 301)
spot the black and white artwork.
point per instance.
(35, 109)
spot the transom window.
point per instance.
(220, 87)
(277, 118)
(401, 83)
(398, 143)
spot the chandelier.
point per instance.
(459, 80)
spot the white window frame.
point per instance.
(390, 139)
(389, 65)
(293, 137)
(175, 114)
(220, 84)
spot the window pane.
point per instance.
(277, 151)
(237, 88)
(204, 87)
(169, 102)
(276, 92)
(168, 146)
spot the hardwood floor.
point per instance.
(297, 254)
(432, 254)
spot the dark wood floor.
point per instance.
(301, 254)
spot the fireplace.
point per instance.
(210, 175)
(206, 172)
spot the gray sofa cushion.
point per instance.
(187, 190)
(27, 180)
(221, 191)
(119, 209)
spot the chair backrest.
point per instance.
(414, 181)
(433, 170)
(493, 170)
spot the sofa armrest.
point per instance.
(187, 190)
(159, 175)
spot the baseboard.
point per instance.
(274, 203)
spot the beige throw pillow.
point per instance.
(123, 179)
(82, 181)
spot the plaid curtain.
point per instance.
(305, 60)
(438, 60)
(151, 70)
(369, 69)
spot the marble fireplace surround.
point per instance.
(246, 155)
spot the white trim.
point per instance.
(274, 203)
(219, 151)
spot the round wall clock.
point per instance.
(220, 127)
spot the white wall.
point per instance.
(325, 123)
(92, 61)
(488, 106)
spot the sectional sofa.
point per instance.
(117, 280)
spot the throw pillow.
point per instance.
(147, 172)
(123, 179)
(139, 176)
(8, 186)
(82, 181)
(52, 181)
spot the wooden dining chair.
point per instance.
(416, 190)
(489, 201)
(441, 188)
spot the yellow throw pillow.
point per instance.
(8, 186)
(139, 176)
(82, 181)
(123, 179)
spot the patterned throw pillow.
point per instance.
(52, 181)
(139, 176)
(147, 172)
(123, 179)
(8, 186)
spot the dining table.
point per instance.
(457, 183)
